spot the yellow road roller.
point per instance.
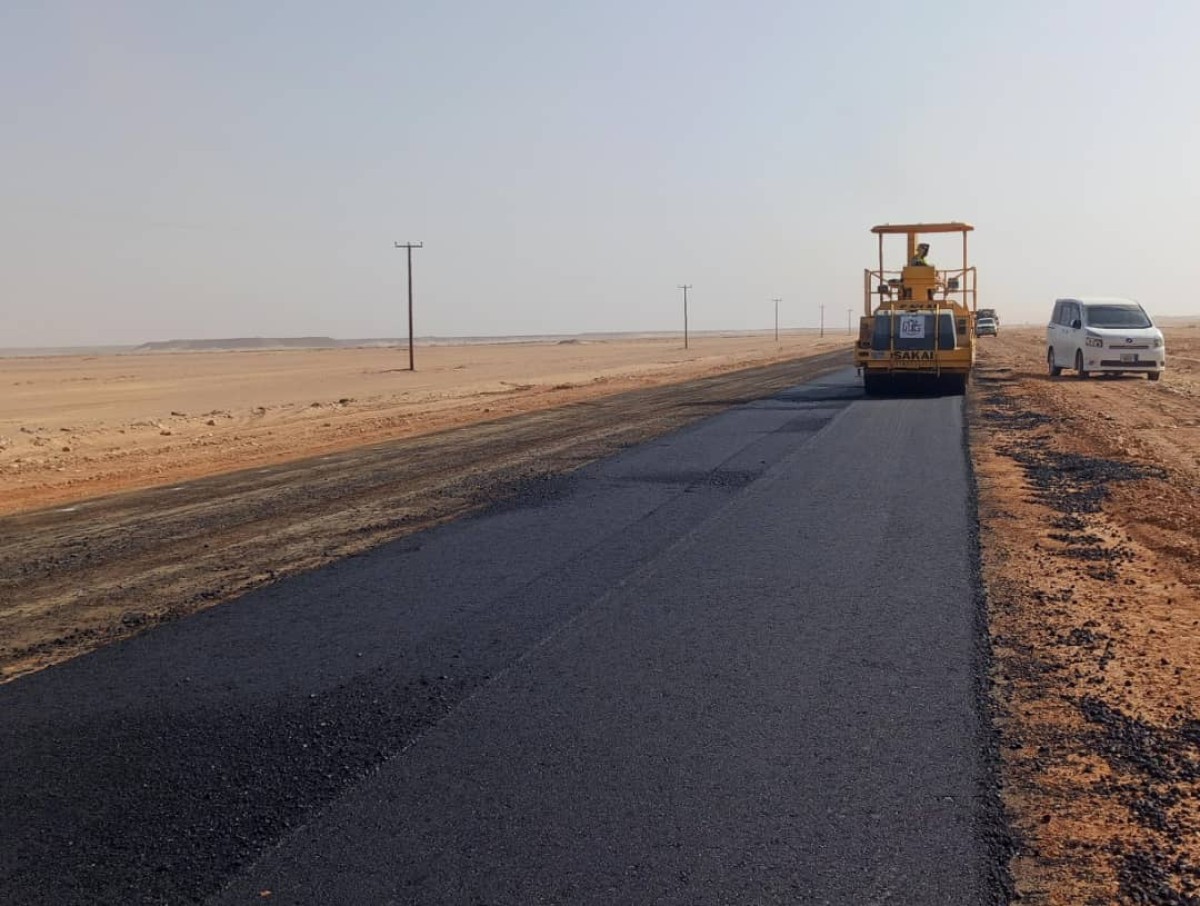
(918, 324)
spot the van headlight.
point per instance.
(1158, 342)
(1094, 341)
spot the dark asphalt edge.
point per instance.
(998, 838)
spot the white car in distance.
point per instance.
(1103, 336)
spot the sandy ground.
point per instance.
(1090, 530)
(76, 427)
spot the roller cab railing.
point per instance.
(918, 287)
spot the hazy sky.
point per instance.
(232, 169)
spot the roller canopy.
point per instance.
(905, 228)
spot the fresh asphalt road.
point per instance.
(740, 664)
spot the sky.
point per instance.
(243, 169)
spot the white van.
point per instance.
(1114, 336)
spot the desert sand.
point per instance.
(73, 427)
(1089, 506)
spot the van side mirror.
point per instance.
(1076, 324)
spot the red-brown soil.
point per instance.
(1089, 497)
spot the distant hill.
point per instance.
(240, 343)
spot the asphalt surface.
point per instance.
(740, 664)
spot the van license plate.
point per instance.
(1129, 357)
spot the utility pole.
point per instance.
(822, 320)
(849, 314)
(409, 246)
(685, 287)
(777, 301)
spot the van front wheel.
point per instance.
(1082, 375)
(1055, 370)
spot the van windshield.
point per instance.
(1116, 316)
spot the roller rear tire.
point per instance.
(955, 384)
(875, 384)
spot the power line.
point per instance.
(685, 287)
(409, 246)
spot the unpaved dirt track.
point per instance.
(80, 426)
(1090, 507)
(77, 577)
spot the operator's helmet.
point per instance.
(923, 247)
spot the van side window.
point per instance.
(1072, 313)
(1057, 317)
